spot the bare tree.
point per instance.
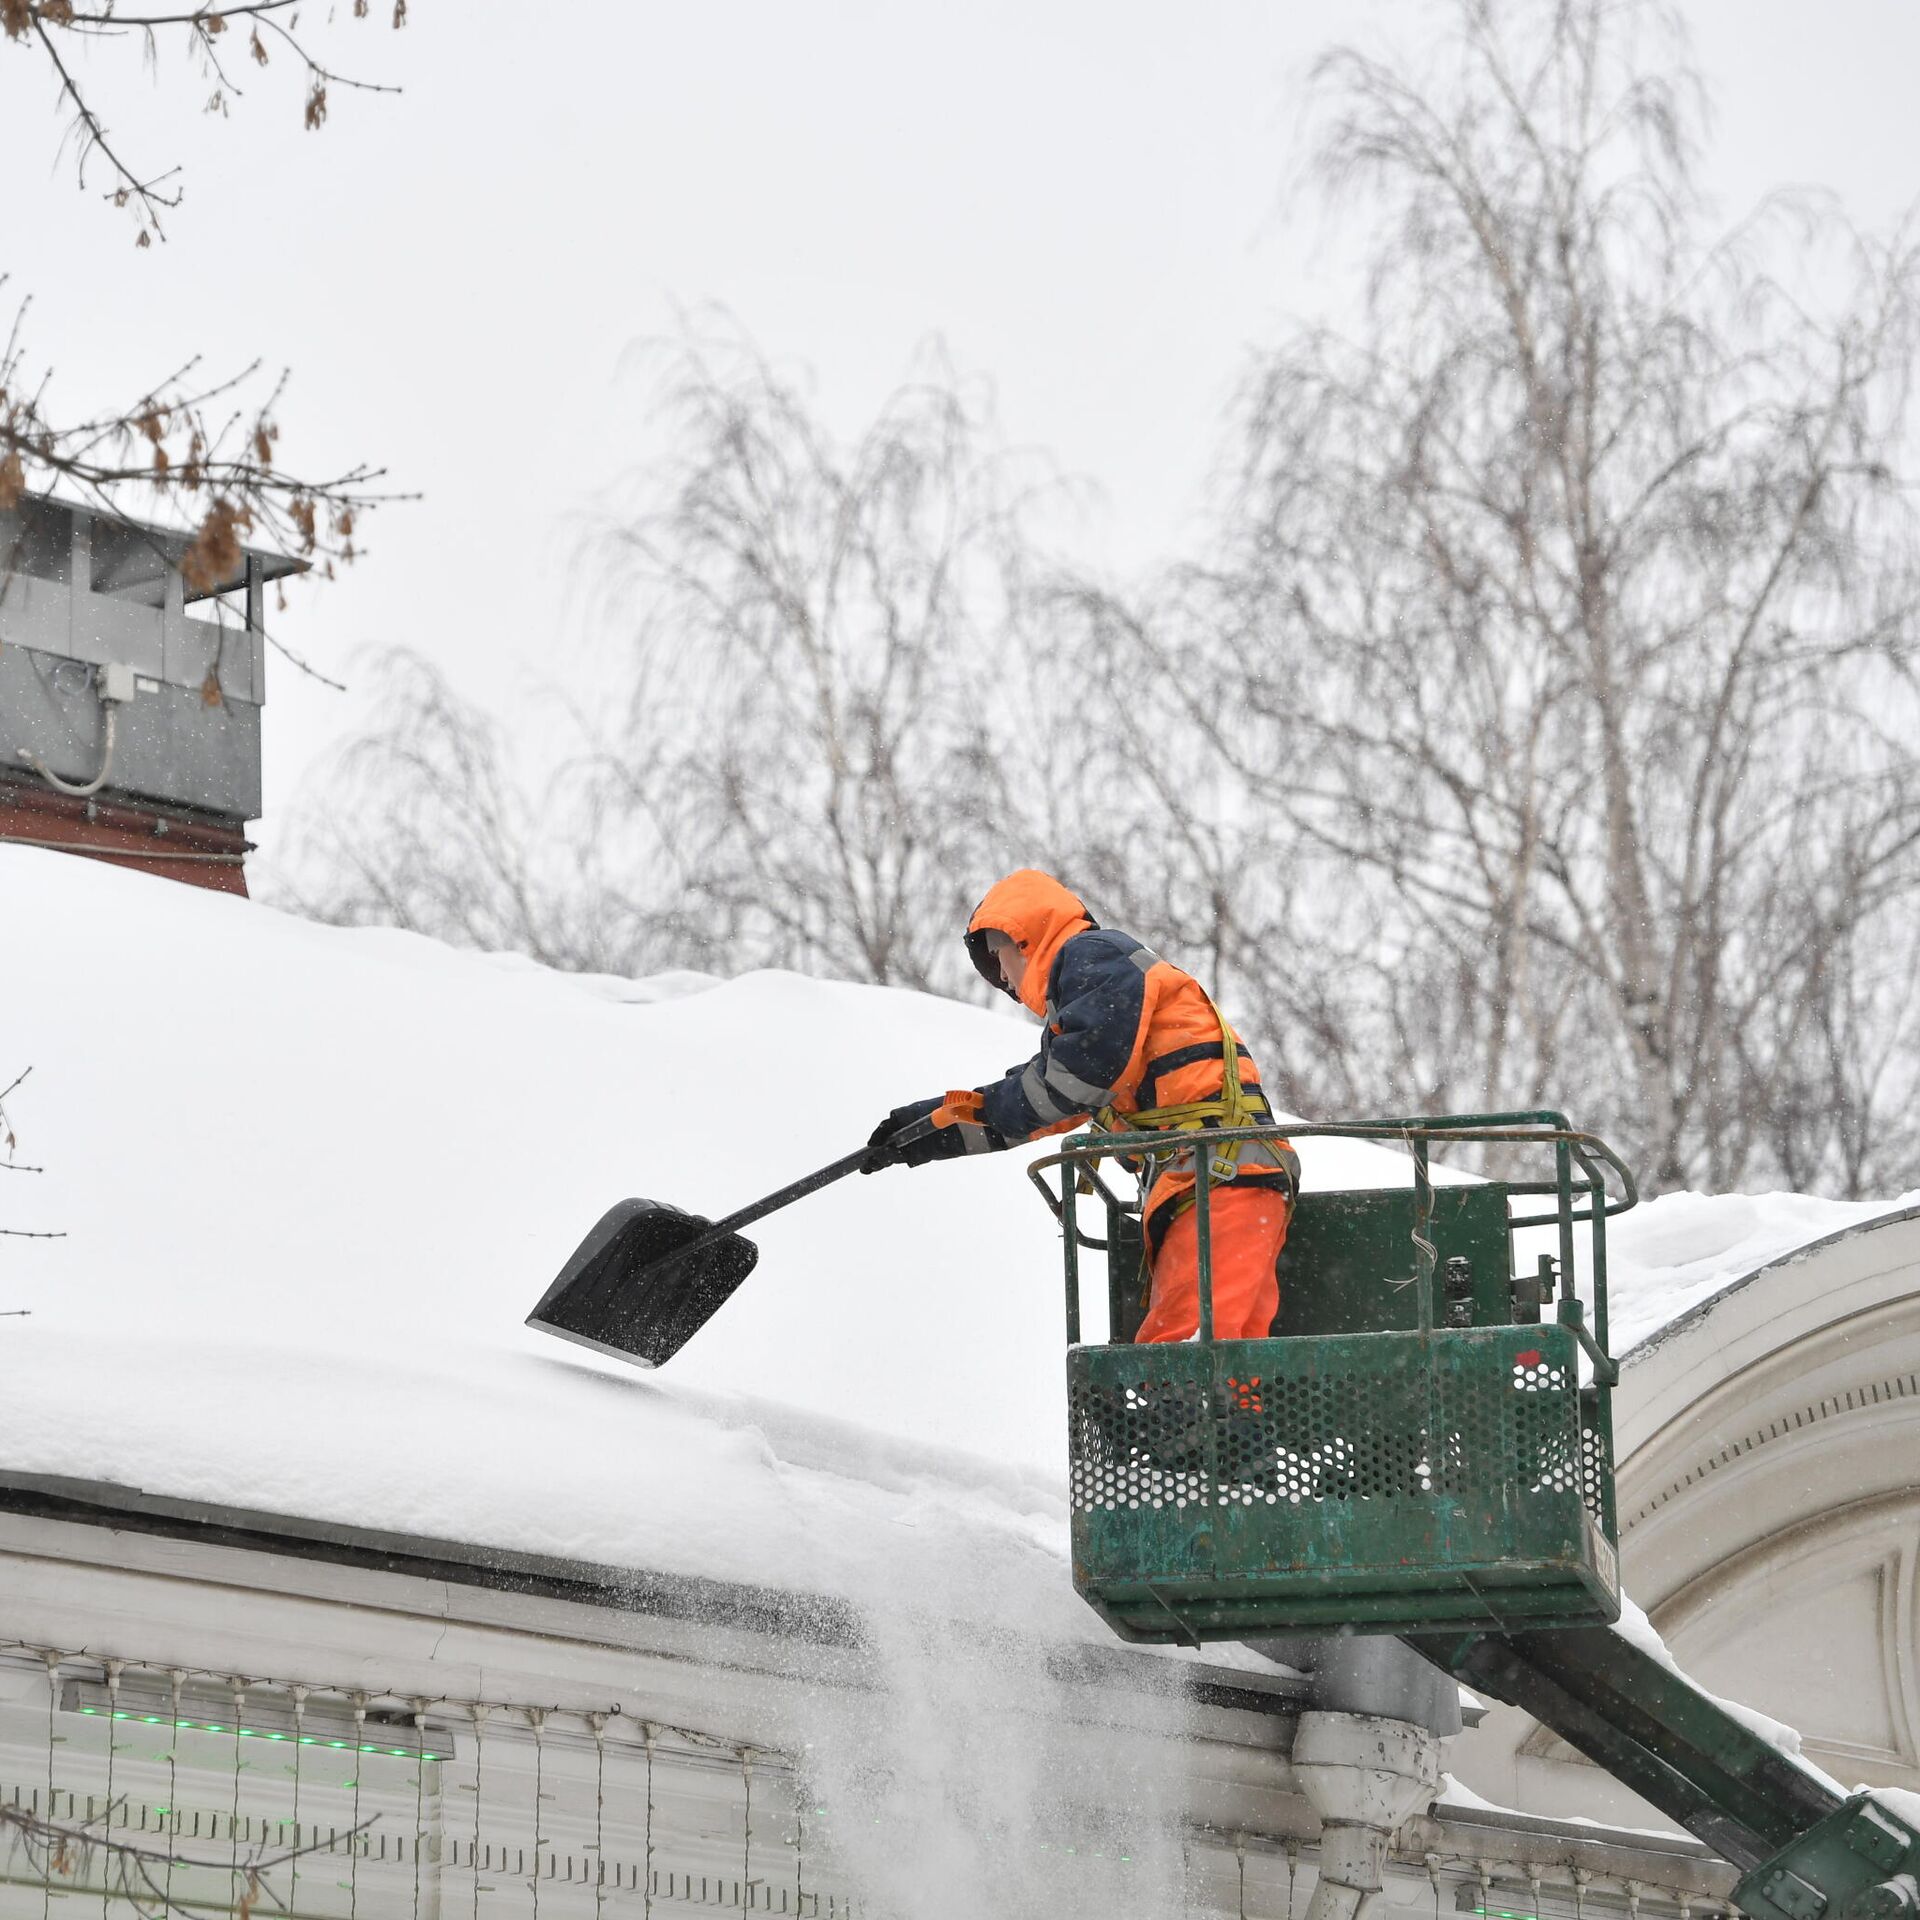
(10, 1162)
(811, 752)
(432, 825)
(203, 445)
(1541, 732)
(1563, 650)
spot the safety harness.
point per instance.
(1235, 1106)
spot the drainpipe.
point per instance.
(1365, 1777)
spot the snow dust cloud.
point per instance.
(980, 1775)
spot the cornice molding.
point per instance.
(1895, 1388)
(1739, 1355)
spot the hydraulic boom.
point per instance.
(1805, 1851)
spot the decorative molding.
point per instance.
(1874, 1538)
(1905, 1386)
(1832, 1547)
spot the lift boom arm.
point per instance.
(1806, 1852)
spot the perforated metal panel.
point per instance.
(1596, 1463)
(1156, 1442)
(1380, 1480)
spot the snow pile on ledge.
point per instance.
(1670, 1254)
(1457, 1796)
(1635, 1628)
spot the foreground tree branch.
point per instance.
(9, 1147)
(196, 449)
(206, 450)
(81, 1855)
(45, 24)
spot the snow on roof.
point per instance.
(312, 1179)
(1672, 1255)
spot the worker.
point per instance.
(1135, 1045)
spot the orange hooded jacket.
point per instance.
(1125, 1030)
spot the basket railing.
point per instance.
(1579, 1192)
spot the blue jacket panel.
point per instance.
(1096, 1000)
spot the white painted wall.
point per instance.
(724, 1708)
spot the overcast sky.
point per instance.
(1088, 202)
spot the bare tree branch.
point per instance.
(44, 21)
(68, 1855)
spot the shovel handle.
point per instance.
(786, 1196)
(783, 1197)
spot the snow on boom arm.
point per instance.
(1805, 1850)
(1419, 1450)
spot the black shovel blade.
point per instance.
(607, 1299)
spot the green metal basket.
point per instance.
(1385, 1482)
(1419, 1452)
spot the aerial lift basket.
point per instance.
(1418, 1449)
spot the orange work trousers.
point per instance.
(1248, 1228)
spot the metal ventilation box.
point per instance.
(129, 705)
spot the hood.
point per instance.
(1034, 910)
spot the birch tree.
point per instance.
(818, 736)
(1561, 652)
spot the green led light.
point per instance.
(304, 1739)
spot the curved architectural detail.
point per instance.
(1769, 1496)
(1845, 1585)
(1879, 1393)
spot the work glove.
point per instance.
(886, 1148)
(883, 1146)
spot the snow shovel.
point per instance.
(649, 1277)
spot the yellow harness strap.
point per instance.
(1234, 1107)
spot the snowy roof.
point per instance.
(313, 1178)
(1672, 1256)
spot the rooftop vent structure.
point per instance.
(129, 703)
